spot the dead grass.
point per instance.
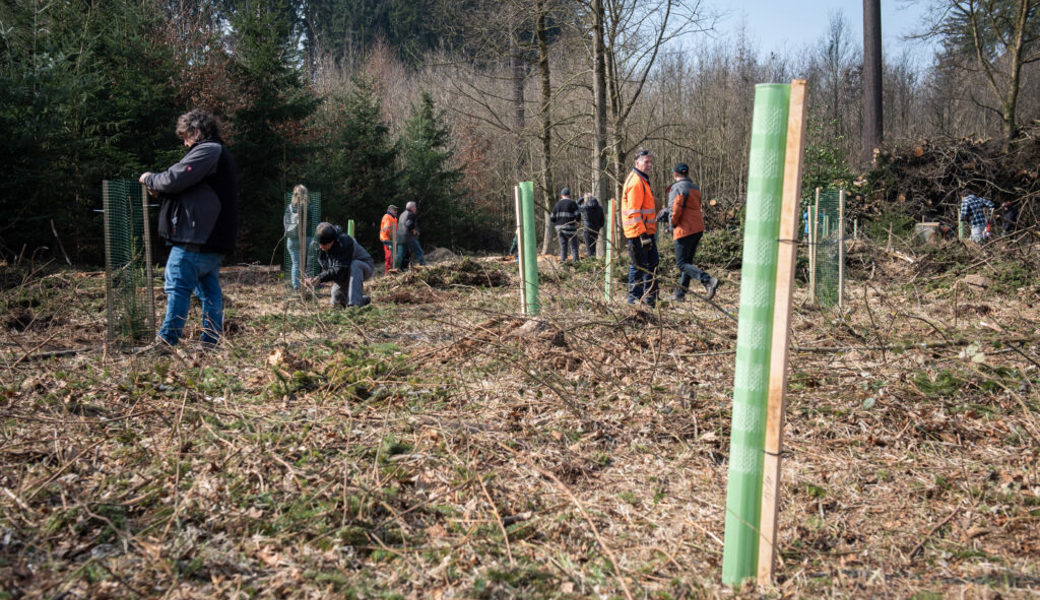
(436, 445)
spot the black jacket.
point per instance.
(592, 215)
(565, 216)
(199, 198)
(335, 262)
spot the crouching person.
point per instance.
(343, 262)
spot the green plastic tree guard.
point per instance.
(534, 307)
(754, 331)
(350, 227)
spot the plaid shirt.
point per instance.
(972, 210)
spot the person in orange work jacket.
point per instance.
(638, 215)
(687, 219)
(386, 235)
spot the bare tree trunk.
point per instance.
(545, 132)
(873, 129)
(599, 138)
(516, 64)
(1024, 8)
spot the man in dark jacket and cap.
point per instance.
(345, 263)
(591, 222)
(198, 218)
(687, 219)
(566, 216)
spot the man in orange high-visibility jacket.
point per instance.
(687, 218)
(638, 218)
(386, 235)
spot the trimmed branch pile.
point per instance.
(923, 179)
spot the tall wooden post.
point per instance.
(301, 234)
(149, 283)
(785, 268)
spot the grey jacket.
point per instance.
(407, 230)
(200, 196)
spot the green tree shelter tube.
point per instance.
(754, 331)
(530, 248)
(350, 227)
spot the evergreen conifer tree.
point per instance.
(358, 163)
(430, 178)
(274, 105)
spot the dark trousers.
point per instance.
(568, 239)
(685, 247)
(407, 252)
(642, 271)
(591, 235)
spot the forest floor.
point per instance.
(436, 445)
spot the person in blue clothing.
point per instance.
(198, 219)
(973, 210)
(294, 211)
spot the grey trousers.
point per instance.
(360, 270)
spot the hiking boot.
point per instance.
(365, 301)
(678, 296)
(710, 288)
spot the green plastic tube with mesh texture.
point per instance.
(754, 331)
(530, 249)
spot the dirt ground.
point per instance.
(438, 445)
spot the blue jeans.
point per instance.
(359, 272)
(187, 273)
(409, 251)
(292, 246)
(642, 271)
(685, 247)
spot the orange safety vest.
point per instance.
(386, 228)
(687, 216)
(638, 212)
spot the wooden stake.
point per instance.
(301, 235)
(150, 283)
(889, 237)
(781, 330)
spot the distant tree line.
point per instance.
(451, 103)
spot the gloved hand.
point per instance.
(645, 240)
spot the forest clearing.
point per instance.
(437, 445)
